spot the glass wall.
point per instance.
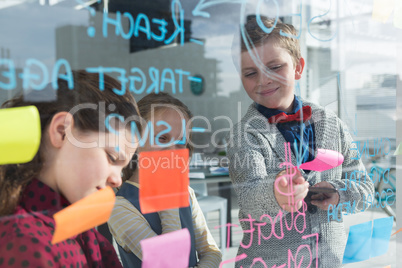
(184, 48)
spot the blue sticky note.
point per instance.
(358, 246)
(382, 229)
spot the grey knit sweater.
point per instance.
(276, 237)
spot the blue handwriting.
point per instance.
(143, 24)
(378, 148)
(160, 80)
(35, 74)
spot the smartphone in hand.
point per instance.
(318, 190)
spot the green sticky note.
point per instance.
(20, 134)
(398, 150)
(398, 14)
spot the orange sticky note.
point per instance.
(397, 231)
(389, 266)
(163, 178)
(84, 214)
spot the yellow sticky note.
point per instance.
(84, 214)
(382, 10)
(20, 134)
(398, 14)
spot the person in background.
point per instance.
(283, 222)
(76, 158)
(128, 225)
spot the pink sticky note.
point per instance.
(324, 160)
(171, 250)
